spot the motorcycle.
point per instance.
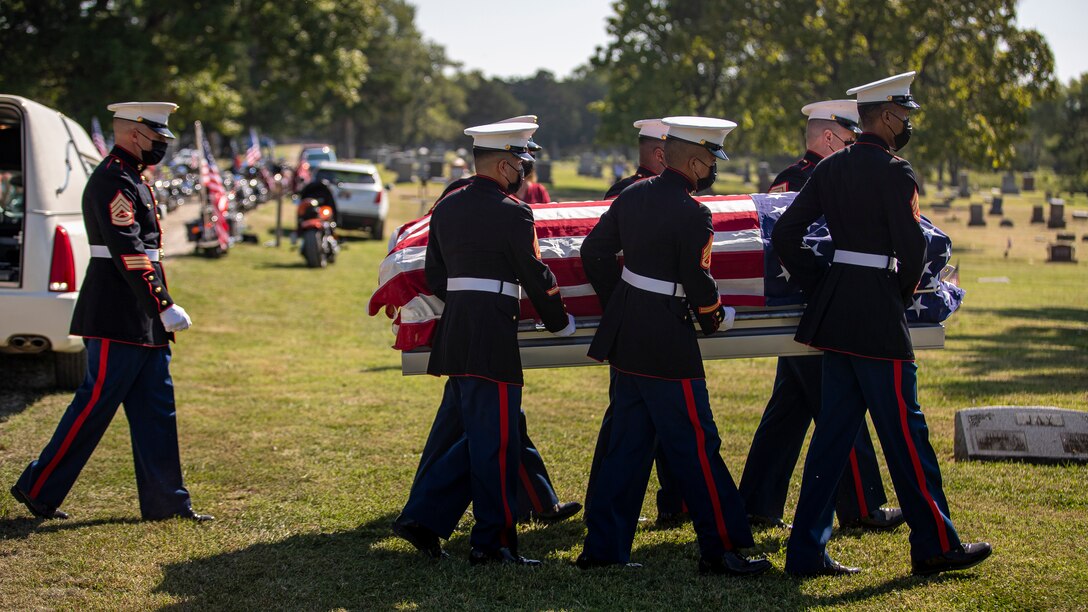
(316, 227)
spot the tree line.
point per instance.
(360, 73)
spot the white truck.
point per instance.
(45, 161)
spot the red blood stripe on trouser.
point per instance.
(858, 489)
(704, 462)
(528, 484)
(942, 532)
(504, 443)
(103, 359)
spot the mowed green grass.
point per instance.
(300, 434)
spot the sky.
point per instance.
(560, 35)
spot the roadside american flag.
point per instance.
(97, 138)
(213, 186)
(743, 263)
(253, 153)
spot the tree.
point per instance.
(758, 61)
(1071, 150)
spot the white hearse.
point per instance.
(45, 161)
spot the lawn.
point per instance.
(300, 434)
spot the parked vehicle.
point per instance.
(316, 233)
(360, 196)
(45, 161)
(310, 155)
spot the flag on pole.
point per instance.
(97, 138)
(213, 186)
(253, 153)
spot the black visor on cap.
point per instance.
(847, 123)
(533, 146)
(519, 152)
(156, 126)
(906, 101)
(716, 149)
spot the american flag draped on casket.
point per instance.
(748, 273)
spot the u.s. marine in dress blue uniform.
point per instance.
(122, 313)
(647, 334)
(855, 314)
(795, 395)
(481, 254)
(537, 498)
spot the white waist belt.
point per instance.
(652, 284)
(101, 250)
(869, 260)
(466, 283)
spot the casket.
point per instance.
(749, 276)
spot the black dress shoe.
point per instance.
(881, 519)
(36, 508)
(503, 556)
(425, 540)
(961, 557)
(584, 562)
(558, 512)
(198, 518)
(733, 564)
(756, 521)
(668, 520)
(832, 568)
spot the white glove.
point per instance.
(729, 319)
(568, 330)
(175, 319)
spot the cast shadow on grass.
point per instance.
(22, 527)
(1033, 356)
(369, 568)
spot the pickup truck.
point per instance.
(45, 161)
(750, 279)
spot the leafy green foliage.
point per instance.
(758, 61)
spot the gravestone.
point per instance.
(1080, 215)
(965, 189)
(1006, 223)
(1037, 214)
(976, 220)
(1066, 237)
(746, 174)
(544, 172)
(588, 165)
(1008, 184)
(1021, 433)
(1028, 181)
(996, 205)
(1084, 238)
(763, 171)
(436, 169)
(403, 167)
(1057, 214)
(1062, 252)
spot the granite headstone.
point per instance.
(1037, 214)
(1008, 184)
(1021, 433)
(976, 220)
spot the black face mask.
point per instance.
(704, 183)
(514, 186)
(902, 137)
(156, 154)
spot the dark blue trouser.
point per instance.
(139, 378)
(669, 499)
(535, 490)
(889, 388)
(794, 403)
(675, 413)
(471, 455)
